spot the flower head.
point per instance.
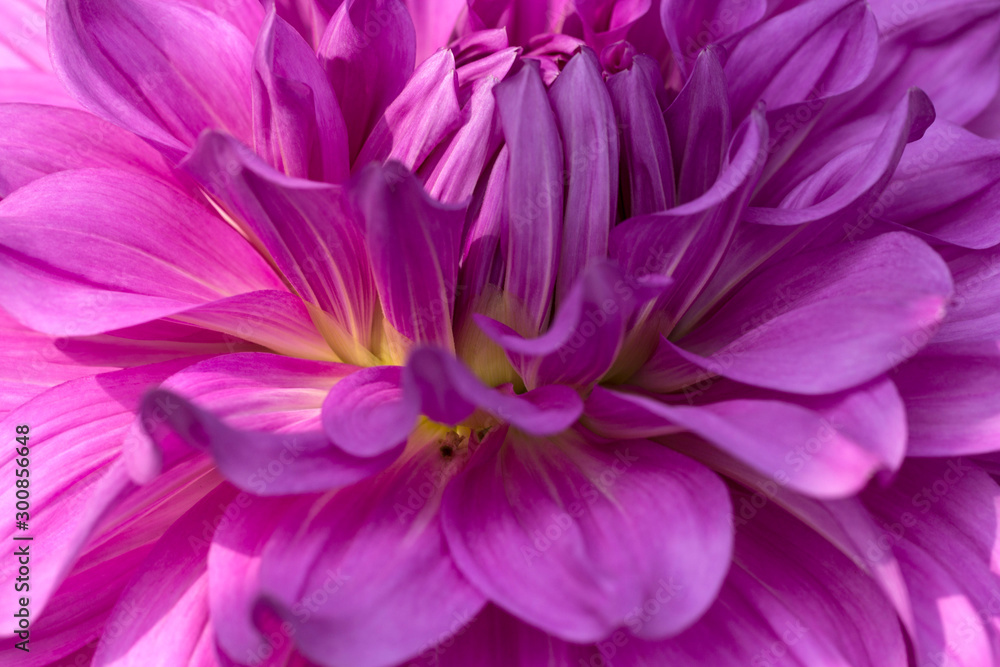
(505, 333)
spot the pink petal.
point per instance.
(298, 126)
(563, 536)
(824, 447)
(37, 140)
(690, 27)
(141, 65)
(824, 321)
(370, 567)
(82, 260)
(368, 52)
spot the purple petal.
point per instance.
(827, 446)
(367, 413)
(947, 185)
(699, 127)
(368, 52)
(535, 195)
(433, 24)
(820, 48)
(690, 27)
(590, 140)
(414, 245)
(76, 435)
(247, 15)
(947, 49)
(951, 401)
(827, 320)
(448, 392)
(308, 17)
(800, 603)
(141, 65)
(853, 180)
(37, 140)
(972, 314)
(482, 259)
(81, 258)
(647, 171)
(30, 87)
(587, 334)
(307, 229)
(688, 241)
(23, 45)
(940, 520)
(259, 415)
(298, 127)
(425, 112)
(371, 566)
(570, 544)
(163, 612)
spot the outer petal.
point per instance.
(76, 433)
(826, 320)
(820, 446)
(820, 48)
(31, 87)
(535, 196)
(972, 315)
(951, 401)
(308, 230)
(576, 536)
(368, 51)
(690, 27)
(141, 65)
(164, 610)
(799, 602)
(397, 591)
(22, 36)
(940, 519)
(298, 126)
(853, 180)
(590, 140)
(78, 254)
(37, 140)
(413, 243)
(947, 186)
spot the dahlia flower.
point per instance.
(500, 332)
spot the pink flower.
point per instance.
(501, 332)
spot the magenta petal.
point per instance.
(535, 195)
(371, 568)
(448, 392)
(690, 27)
(76, 436)
(951, 401)
(298, 127)
(82, 260)
(259, 415)
(368, 51)
(586, 334)
(947, 185)
(852, 181)
(307, 228)
(246, 15)
(30, 87)
(819, 48)
(425, 112)
(141, 65)
(590, 140)
(699, 126)
(367, 413)
(828, 446)
(972, 314)
(577, 537)
(23, 46)
(40, 140)
(433, 23)
(941, 522)
(413, 242)
(799, 601)
(647, 171)
(166, 605)
(688, 241)
(834, 318)
(308, 17)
